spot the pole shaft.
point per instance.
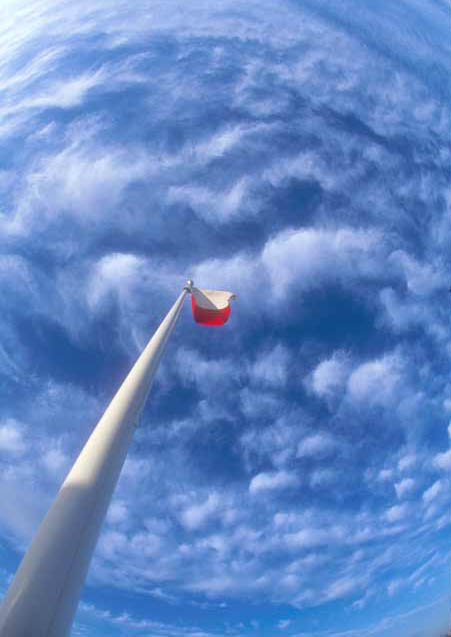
(43, 596)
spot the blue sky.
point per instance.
(290, 475)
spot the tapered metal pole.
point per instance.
(44, 594)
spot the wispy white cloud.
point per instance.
(397, 513)
(385, 474)
(271, 368)
(433, 491)
(83, 180)
(443, 460)
(12, 440)
(277, 442)
(376, 381)
(404, 487)
(128, 622)
(195, 515)
(306, 258)
(268, 481)
(407, 462)
(329, 376)
(317, 445)
(300, 260)
(216, 207)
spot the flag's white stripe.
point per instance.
(212, 299)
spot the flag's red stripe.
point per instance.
(209, 317)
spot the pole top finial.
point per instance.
(189, 285)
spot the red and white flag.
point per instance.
(211, 307)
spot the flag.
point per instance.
(211, 307)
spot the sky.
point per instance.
(290, 472)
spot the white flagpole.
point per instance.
(43, 596)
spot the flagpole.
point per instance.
(43, 596)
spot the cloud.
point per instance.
(271, 367)
(443, 460)
(375, 382)
(298, 261)
(196, 515)
(329, 376)
(214, 207)
(433, 491)
(254, 403)
(56, 461)
(317, 445)
(64, 94)
(397, 513)
(129, 623)
(117, 512)
(385, 474)
(83, 180)
(310, 537)
(404, 487)
(272, 481)
(403, 314)
(205, 374)
(308, 257)
(344, 587)
(23, 506)
(115, 273)
(12, 440)
(407, 462)
(394, 586)
(276, 442)
(323, 478)
(421, 278)
(224, 140)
